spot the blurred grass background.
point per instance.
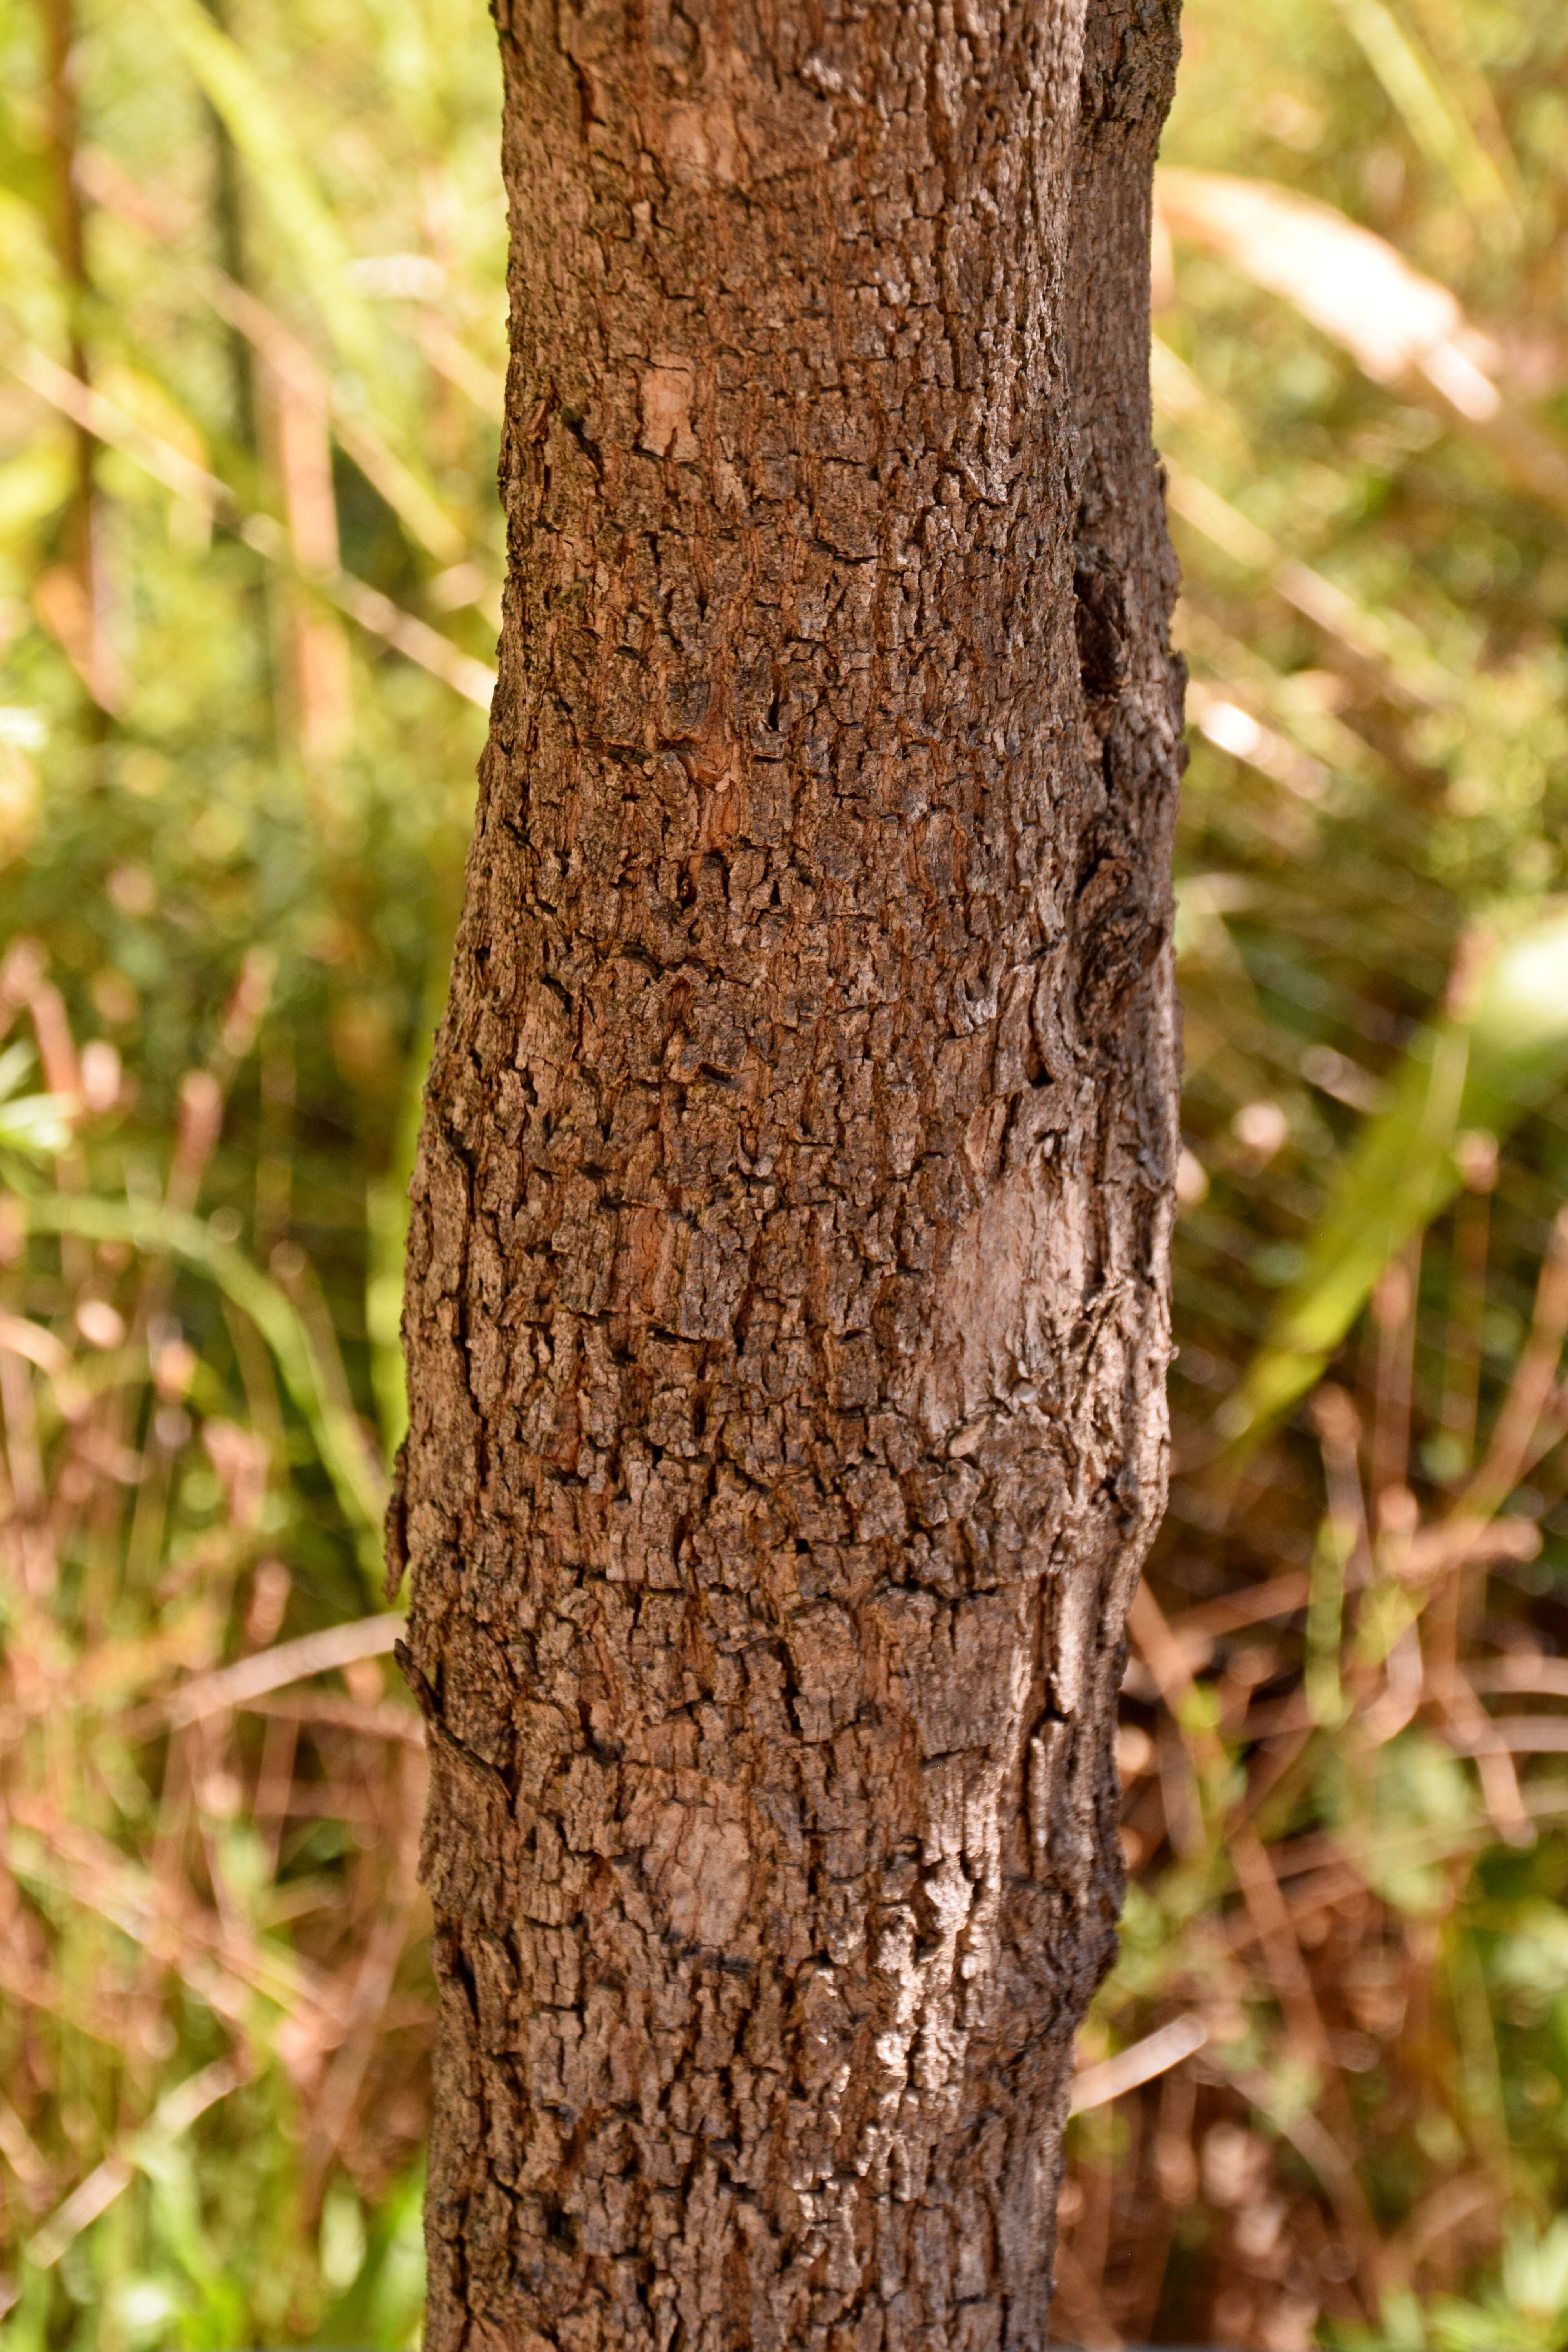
(251, 351)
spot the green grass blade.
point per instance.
(1482, 1067)
(283, 179)
(149, 1227)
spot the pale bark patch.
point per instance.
(699, 1870)
(1016, 1267)
(701, 143)
(667, 394)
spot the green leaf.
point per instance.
(382, 2303)
(1481, 1066)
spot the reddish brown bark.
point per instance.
(786, 1315)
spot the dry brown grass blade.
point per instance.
(1304, 1901)
(1316, 2144)
(372, 1988)
(1078, 2302)
(34, 2174)
(1163, 1654)
(376, 614)
(1405, 680)
(1533, 1387)
(383, 1719)
(1466, 1541)
(1167, 1662)
(37, 1346)
(1141, 2062)
(452, 358)
(288, 1661)
(291, 364)
(1400, 327)
(116, 430)
(308, 384)
(1275, 1932)
(173, 2114)
(1232, 727)
(1471, 1732)
(321, 685)
(222, 1964)
(414, 639)
(1527, 1735)
(24, 1459)
(1445, 2209)
(1522, 1673)
(1277, 1596)
(1352, 284)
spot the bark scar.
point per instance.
(429, 1707)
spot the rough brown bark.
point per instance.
(786, 1315)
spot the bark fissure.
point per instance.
(786, 1316)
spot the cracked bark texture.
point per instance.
(786, 1318)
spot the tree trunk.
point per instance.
(786, 1316)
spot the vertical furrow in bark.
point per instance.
(786, 1320)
